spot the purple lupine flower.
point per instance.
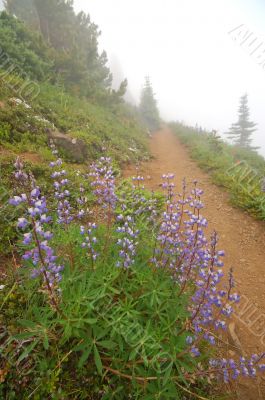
(138, 179)
(182, 247)
(22, 223)
(64, 209)
(231, 369)
(127, 243)
(27, 238)
(15, 201)
(189, 339)
(90, 240)
(195, 351)
(38, 251)
(168, 185)
(103, 183)
(81, 203)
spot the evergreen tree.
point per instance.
(25, 11)
(73, 41)
(148, 106)
(23, 52)
(242, 130)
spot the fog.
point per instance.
(198, 69)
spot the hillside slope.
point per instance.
(38, 103)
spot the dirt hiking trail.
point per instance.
(242, 238)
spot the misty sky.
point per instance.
(197, 68)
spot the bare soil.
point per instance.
(242, 238)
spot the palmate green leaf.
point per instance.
(97, 360)
(100, 332)
(172, 392)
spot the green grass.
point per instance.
(239, 170)
(115, 130)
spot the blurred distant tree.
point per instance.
(242, 130)
(24, 10)
(148, 106)
(122, 89)
(73, 42)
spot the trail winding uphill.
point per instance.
(242, 238)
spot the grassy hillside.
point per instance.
(37, 103)
(23, 128)
(239, 170)
(116, 131)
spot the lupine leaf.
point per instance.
(84, 357)
(27, 351)
(97, 360)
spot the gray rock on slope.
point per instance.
(74, 149)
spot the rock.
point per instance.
(74, 149)
(17, 102)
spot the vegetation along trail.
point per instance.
(242, 237)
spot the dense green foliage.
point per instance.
(116, 329)
(116, 295)
(239, 170)
(66, 46)
(22, 51)
(111, 320)
(148, 106)
(242, 130)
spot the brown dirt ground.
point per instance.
(242, 238)
(32, 157)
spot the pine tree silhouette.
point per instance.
(241, 131)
